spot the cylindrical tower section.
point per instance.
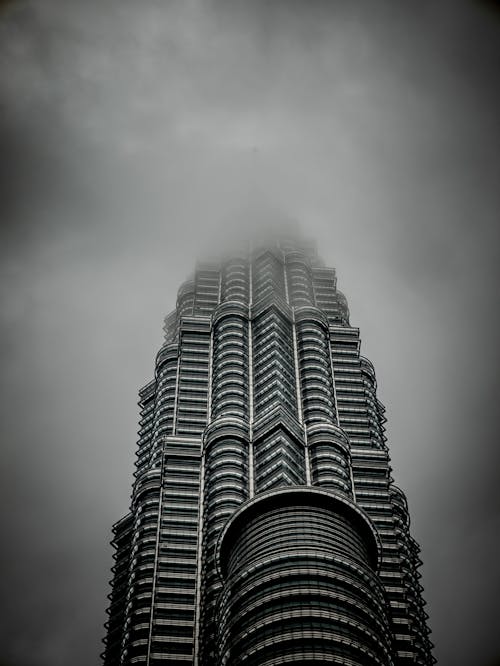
(166, 379)
(230, 361)
(235, 281)
(376, 433)
(300, 584)
(330, 458)
(140, 594)
(299, 280)
(185, 299)
(409, 616)
(343, 308)
(318, 403)
(225, 489)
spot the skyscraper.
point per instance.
(264, 527)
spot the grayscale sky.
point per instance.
(134, 137)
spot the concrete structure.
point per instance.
(265, 527)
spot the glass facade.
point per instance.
(264, 527)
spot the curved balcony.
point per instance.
(318, 402)
(235, 283)
(230, 362)
(185, 299)
(330, 457)
(299, 279)
(168, 353)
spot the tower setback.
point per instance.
(264, 527)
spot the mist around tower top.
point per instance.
(251, 227)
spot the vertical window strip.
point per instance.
(298, 392)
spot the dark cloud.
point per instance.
(135, 136)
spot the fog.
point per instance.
(136, 138)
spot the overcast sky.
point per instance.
(134, 136)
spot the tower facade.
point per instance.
(264, 527)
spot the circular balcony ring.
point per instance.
(230, 309)
(222, 427)
(296, 496)
(310, 313)
(327, 432)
